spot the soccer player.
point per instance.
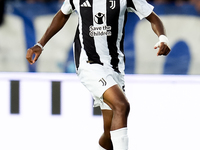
(99, 56)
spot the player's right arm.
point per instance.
(57, 23)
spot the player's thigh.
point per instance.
(115, 98)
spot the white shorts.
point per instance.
(97, 79)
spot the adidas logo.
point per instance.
(86, 4)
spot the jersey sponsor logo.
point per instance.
(112, 4)
(99, 29)
(103, 81)
(86, 4)
(99, 18)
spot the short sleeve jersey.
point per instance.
(100, 32)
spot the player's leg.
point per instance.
(117, 101)
(105, 141)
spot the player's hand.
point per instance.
(33, 50)
(162, 45)
(163, 49)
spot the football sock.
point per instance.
(119, 139)
(101, 148)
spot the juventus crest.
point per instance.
(112, 4)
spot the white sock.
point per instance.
(119, 139)
(101, 148)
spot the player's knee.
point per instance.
(123, 108)
(126, 108)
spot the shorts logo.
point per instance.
(102, 80)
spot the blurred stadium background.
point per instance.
(163, 91)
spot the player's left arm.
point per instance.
(159, 30)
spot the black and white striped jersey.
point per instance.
(100, 33)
